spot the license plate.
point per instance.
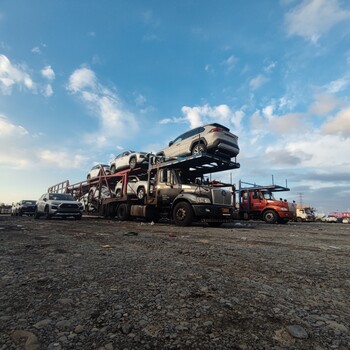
(225, 210)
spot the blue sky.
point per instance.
(81, 81)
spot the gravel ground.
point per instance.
(103, 284)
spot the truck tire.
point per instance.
(183, 214)
(123, 212)
(270, 217)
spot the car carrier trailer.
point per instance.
(176, 191)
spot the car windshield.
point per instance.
(61, 197)
(29, 202)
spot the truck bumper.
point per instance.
(213, 212)
(290, 215)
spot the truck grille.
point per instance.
(221, 196)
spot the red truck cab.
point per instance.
(258, 202)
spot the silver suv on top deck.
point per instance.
(213, 138)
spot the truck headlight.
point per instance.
(203, 200)
(283, 209)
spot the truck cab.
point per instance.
(305, 214)
(259, 202)
(187, 197)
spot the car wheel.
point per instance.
(198, 148)
(36, 214)
(132, 163)
(47, 213)
(141, 192)
(270, 217)
(112, 169)
(77, 217)
(183, 214)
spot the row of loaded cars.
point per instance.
(211, 138)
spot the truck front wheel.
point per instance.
(270, 217)
(183, 214)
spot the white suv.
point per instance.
(128, 159)
(214, 138)
(58, 204)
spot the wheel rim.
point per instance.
(181, 214)
(141, 193)
(269, 217)
(199, 148)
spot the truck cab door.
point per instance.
(168, 186)
(257, 201)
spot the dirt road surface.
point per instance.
(104, 284)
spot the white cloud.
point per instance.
(115, 121)
(222, 114)
(47, 91)
(11, 75)
(230, 62)
(36, 49)
(313, 18)
(82, 78)
(62, 159)
(48, 73)
(323, 104)
(337, 85)
(340, 124)
(258, 81)
(267, 122)
(269, 68)
(7, 129)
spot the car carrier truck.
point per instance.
(258, 202)
(174, 190)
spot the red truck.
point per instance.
(258, 202)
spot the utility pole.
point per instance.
(300, 199)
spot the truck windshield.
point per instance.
(269, 195)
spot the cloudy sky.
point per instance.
(81, 81)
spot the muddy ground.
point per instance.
(104, 284)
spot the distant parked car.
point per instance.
(136, 187)
(128, 159)
(58, 204)
(326, 218)
(26, 207)
(213, 138)
(98, 170)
